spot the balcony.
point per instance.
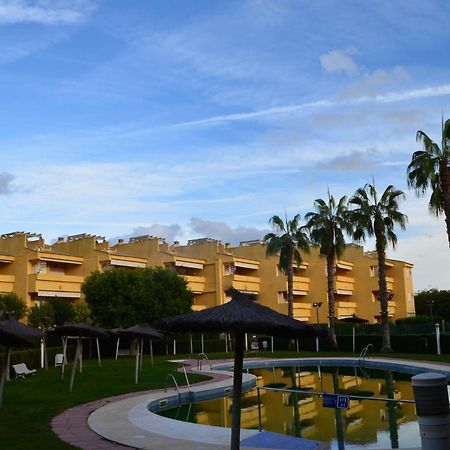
(302, 311)
(54, 285)
(7, 283)
(300, 287)
(345, 309)
(344, 285)
(389, 284)
(242, 283)
(195, 283)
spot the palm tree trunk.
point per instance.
(386, 337)
(331, 309)
(290, 290)
(445, 188)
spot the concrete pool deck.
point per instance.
(125, 421)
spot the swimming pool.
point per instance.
(129, 421)
(380, 412)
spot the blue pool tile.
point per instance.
(267, 439)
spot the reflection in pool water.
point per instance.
(368, 424)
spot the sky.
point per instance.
(204, 118)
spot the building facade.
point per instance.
(37, 271)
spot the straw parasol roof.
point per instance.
(354, 319)
(15, 327)
(141, 331)
(240, 315)
(9, 339)
(81, 330)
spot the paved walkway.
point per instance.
(72, 427)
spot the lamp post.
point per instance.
(431, 304)
(317, 305)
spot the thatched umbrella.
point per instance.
(355, 320)
(80, 330)
(9, 339)
(140, 332)
(239, 316)
(13, 326)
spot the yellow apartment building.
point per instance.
(37, 271)
(158, 253)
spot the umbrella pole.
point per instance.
(203, 344)
(64, 358)
(142, 353)
(246, 342)
(3, 376)
(136, 369)
(226, 343)
(45, 354)
(81, 356)
(75, 360)
(98, 353)
(191, 344)
(117, 347)
(237, 391)
(8, 364)
(151, 351)
(353, 338)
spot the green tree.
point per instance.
(12, 305)
(287, 243)
(42, 316)
(82, 312)
(124, 297)
(433, 302)
(63, 311)
(430, 168)
(327, 226)
(377, 216)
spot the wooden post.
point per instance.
(117, 347)
(141, 357)
(75, 360)
(203, 344)
(237, 391)
(151, 351)
(136, 371)
(191, 344)
(3, 375)
(64, 357)
(81, 354)
(45, 354)
(98, 353)
(354, 346)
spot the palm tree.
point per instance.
(327, 226)
(430, 168)
(288, 242)
(377, 217)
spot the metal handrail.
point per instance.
(176, 385)
(200, 357)
(182, 366)
(321, 394)
(363, 354)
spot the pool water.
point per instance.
(366, 424)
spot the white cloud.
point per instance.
(56, 12)
(336, 61)
(167, 232)
(5, 183)
(371, 83)
(224, 232)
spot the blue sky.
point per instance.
(196, 118)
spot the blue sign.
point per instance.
(335, 401)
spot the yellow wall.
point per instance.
(35, 270)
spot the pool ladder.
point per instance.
(362, 359)
(171, 376)
(200, 358)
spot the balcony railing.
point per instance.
(195, 283)
(54, 282)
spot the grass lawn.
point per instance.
(30, 404)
